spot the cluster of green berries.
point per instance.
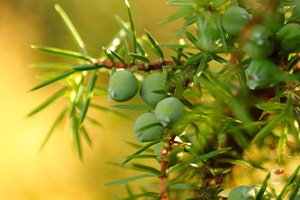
(150, 126)
(263, 40)
(247, 193)
(264, 36)
(123, 86)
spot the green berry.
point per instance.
(123, 85)
(173, 157)
(263, 73)
(235, 19)
(147, 128)
(242, 193)
(208, 39)
(273, 19)
(289, 38)
(150, 85)
(169, 110)
(258, 42)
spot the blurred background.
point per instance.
(56, 172)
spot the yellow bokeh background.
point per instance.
(56, 172)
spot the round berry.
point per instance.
(263, 73)
(123, 85)
(273, 19)
(258, 42)
(148, 128)
(235, 19)
(209, 38)
(152, 88)
(289, 38)
(169, 110)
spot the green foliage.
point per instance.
(233, 86)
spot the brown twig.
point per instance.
(163, 168)
(141, 66)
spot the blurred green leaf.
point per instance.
(75, 134)
(49, 101)
(50, 65)
(272, 107)
(295, 191)
(86, 136)
(133, 107)
(194, 58)
(133, 33)
(141, 156)
(263, 187)
(193, 40)
(140, 57)
(147, 169)
(268, 128)
(109, 111)
(175, 67)
(89, 94)
(63, 52)
(164, 76)
(100, 91)
(201, 68)
(178, 46)
(179, 86)
(126, 180)
(239, 136)
(55, 124)
(289, 184)
(138, 146)
(118, 57)
(78, 94)
(93, 121)
(108, 55)
(61, 76)
(295, 129)
(219, 59)
(282, 143)
(185, 186)
(145, 194)
(124, 26)
(222, 32)
(87, 66)
(76, 37)
(241, 3)
(157, 49)
(178, 14)
(180, 3)
(233, 161)
(129, 192)
(219, 3)
(142, 149)
(198, 159)
(126, 50)
(190, 20)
